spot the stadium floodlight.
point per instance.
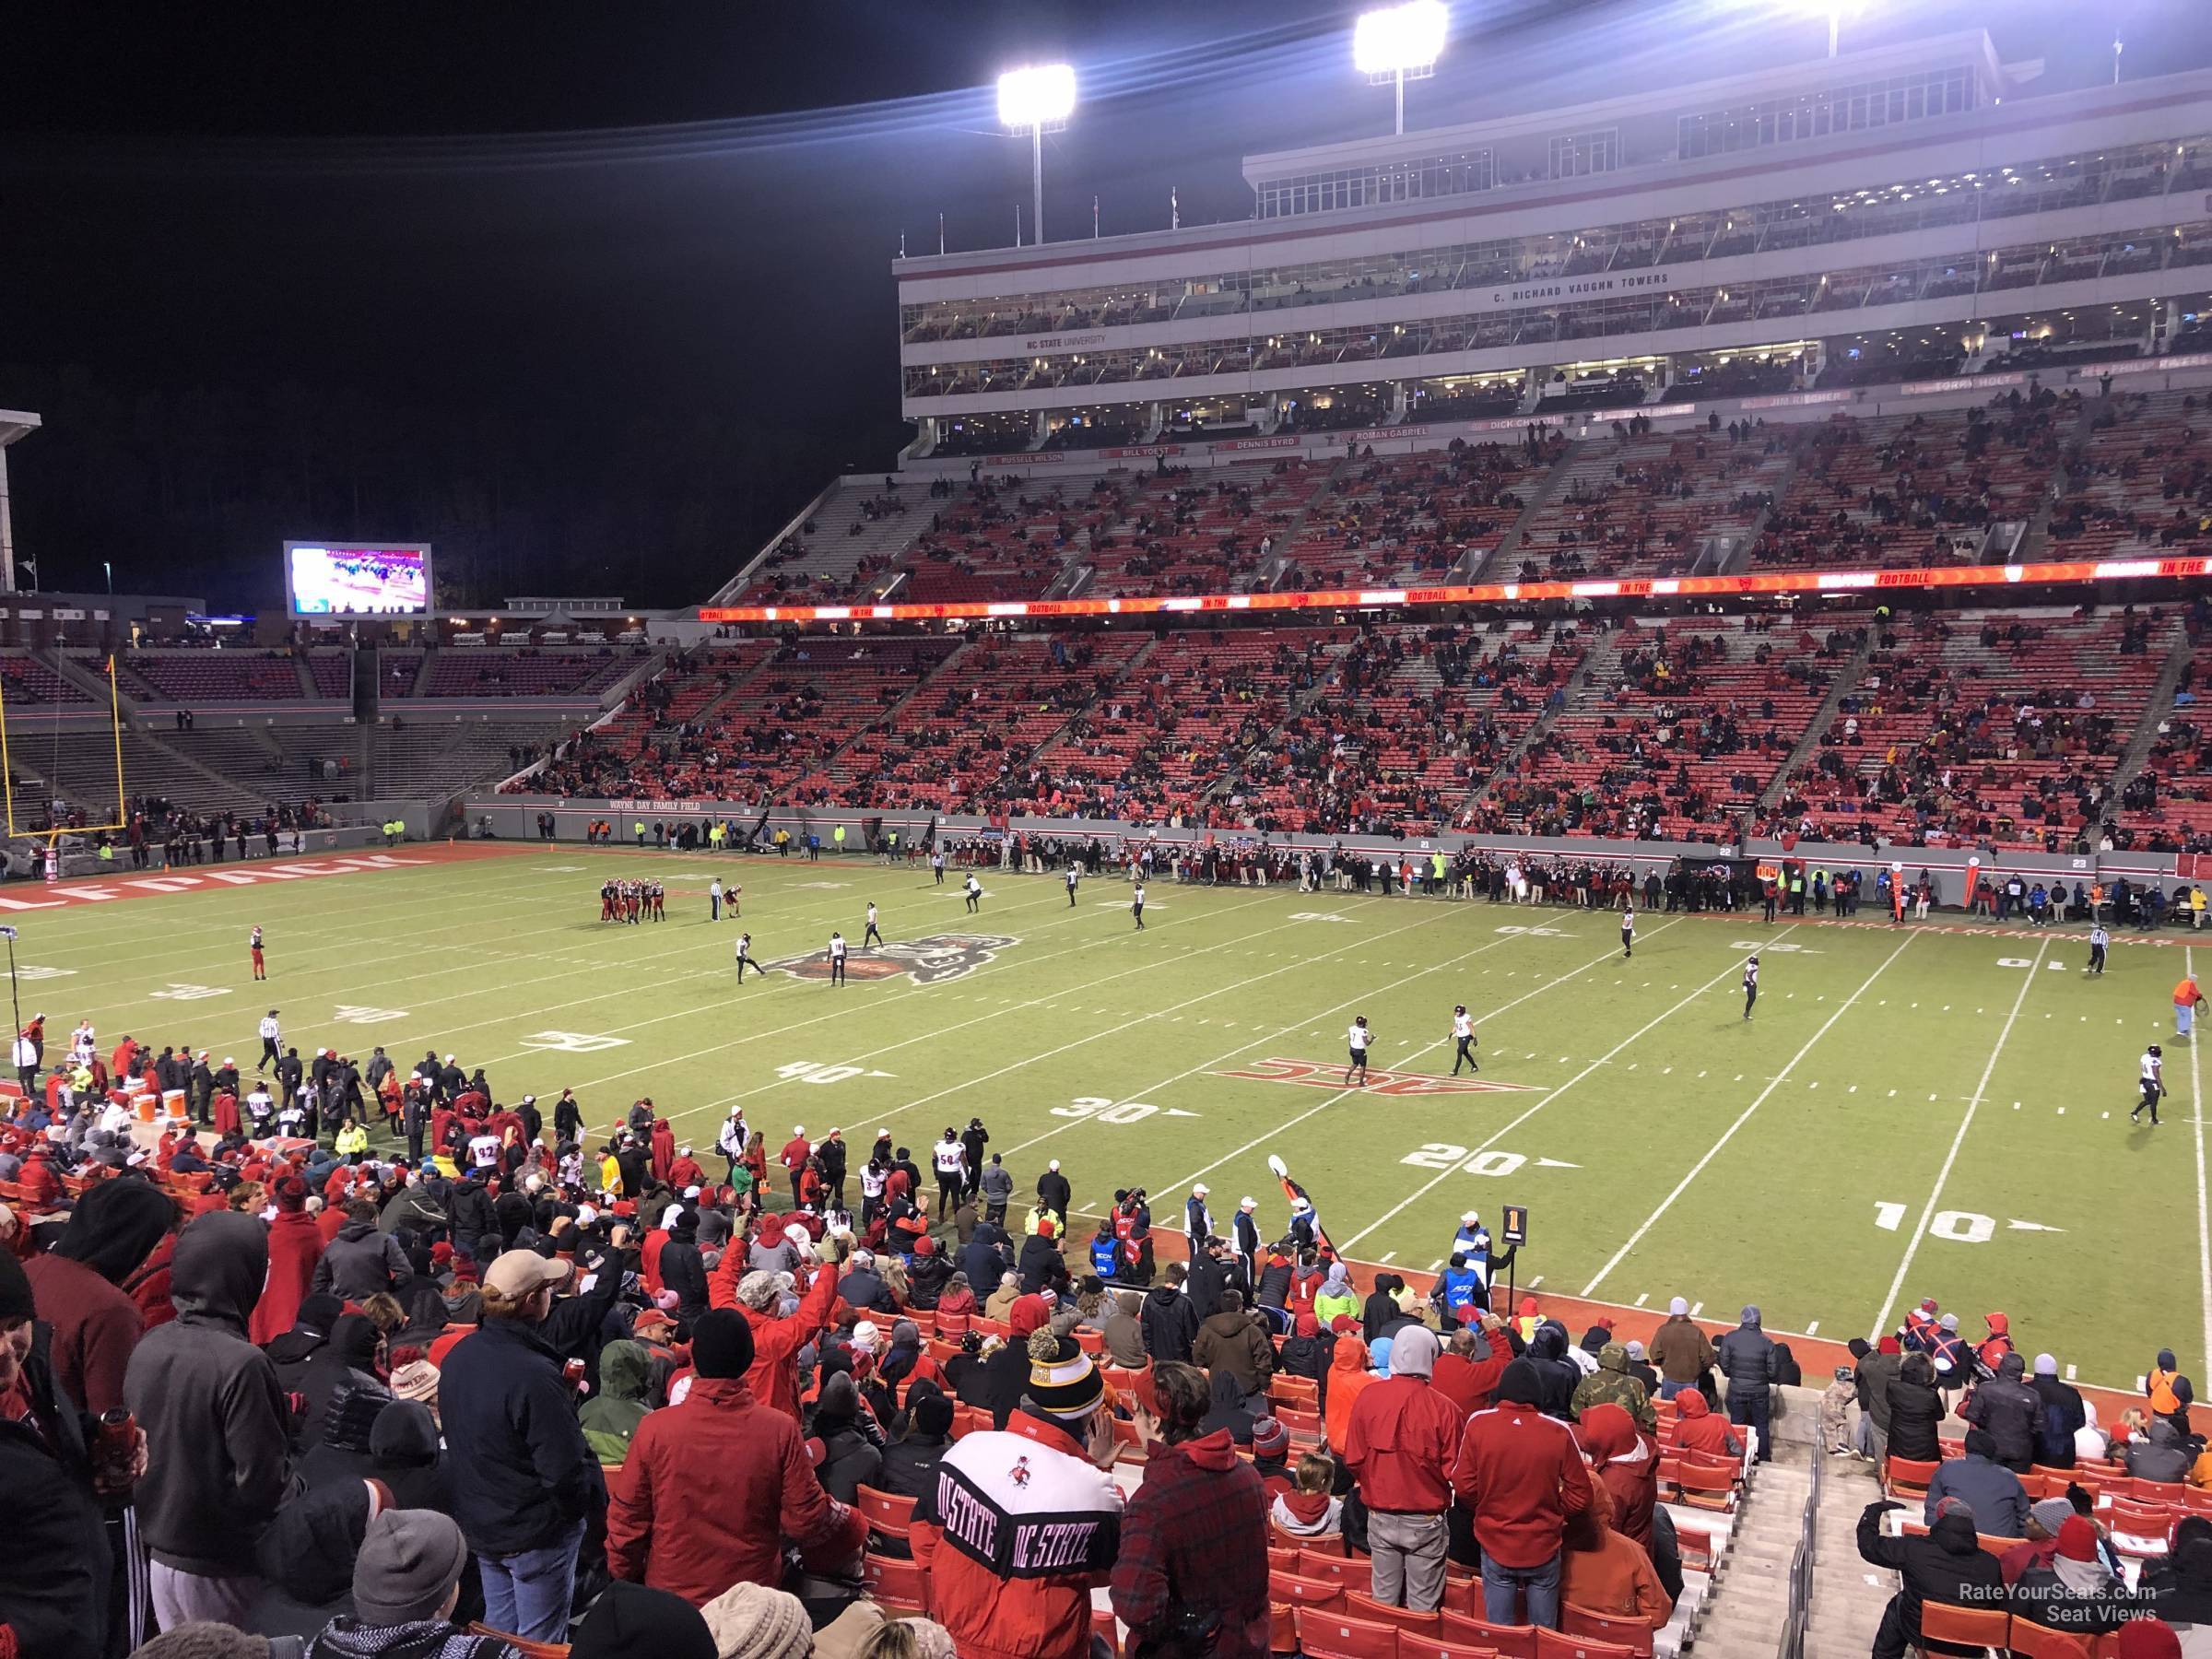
(1033, 101)
(1400, 43)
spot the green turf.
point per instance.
(1692, 1152)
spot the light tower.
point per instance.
(1036, 99)
(1400, 43)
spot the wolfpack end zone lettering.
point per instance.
(1329, 1074)
(95, 892)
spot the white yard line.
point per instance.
(1342, 1094)
(2196, 1118)
(1431, 1184)
(1713, 1151)
(1973, 1104)
(1148, 1015)
(1270, 1036)
(871, 1007)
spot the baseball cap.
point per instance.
(518, 1273)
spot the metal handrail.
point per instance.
(1795, 1620)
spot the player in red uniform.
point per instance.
(260, 970)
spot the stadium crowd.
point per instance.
(536, 1383)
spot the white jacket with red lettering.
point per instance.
(1017, 1529)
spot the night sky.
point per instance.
(595, 296)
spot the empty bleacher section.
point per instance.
(332, 673)
(2167, 807)
(1673, 734)
(1408, 721)
(1404, 518)
(1154, 748)
(30, 682)
(984, 542)
(417, 759)
(1642, 504)
(1913, 490)
(1992, 726)
(194, 679)
(964, 741)
(526, 672)
(1175, 531)
(2140, 482)
(850, 541)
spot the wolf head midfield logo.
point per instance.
(938, 956)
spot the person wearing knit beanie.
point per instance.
(408, 1571)
(721, 1344)
(752, 1621)
(1270, 1438)
(1064, 1387)
(630, 1621)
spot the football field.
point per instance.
(1918, 1112)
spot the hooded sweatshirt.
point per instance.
(1403, 1433)
(1521, 1472)
(1336, 1296)
(1625, 1462)
(1698, 1430)
(207, 1399)
(76, 1286)
(1125, 1332)
(611, 1418)
(1349, 1378)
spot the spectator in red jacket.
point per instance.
(659, 1532)
(1191, 1532)
(1399, 1444)
(294, 1247)
(776, 1340)
(1465, 1379)
(1521, 1475)
(77, 1285)
(1699, 1428)
(1625, 1461)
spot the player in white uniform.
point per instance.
(2099, 940)
(1358, 1039)
(1628, 933)
(272, 1038)
(2152, 1079)
(1074, 873)
(745, 958)
(975, 893)
(874, 935)
(1463, 1035)
(837, 959)
(1750, 985)
(1136, 905)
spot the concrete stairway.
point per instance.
(2159, 708)
(1540, 494)
(1749, 1601)
(1848, 676)
(1848, 1594)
